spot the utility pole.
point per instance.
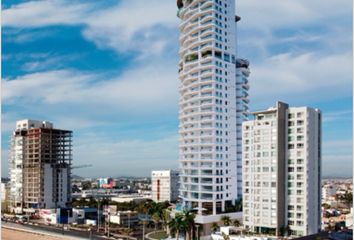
(109, 216)
(98, 215)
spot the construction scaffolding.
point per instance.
(47, 168)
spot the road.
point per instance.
(55, 232)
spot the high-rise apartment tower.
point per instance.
(282, 171)
(211, 105)
(40, 166)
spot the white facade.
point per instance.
(209, 128)
(16, 157)
(164, 185)
(3, 192)
(282, 170)
(124, 218)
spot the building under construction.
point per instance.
(40, 166)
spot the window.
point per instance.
(300, 145)
(300, 122)
(291, 207)
(300, 161)
(300, 138)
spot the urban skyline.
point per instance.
(128, 128)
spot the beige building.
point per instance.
(164, 185)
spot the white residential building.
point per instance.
(213, 99)
(282, 170)
(40, 164)
(164, 185)
(3, 192)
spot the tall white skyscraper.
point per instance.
(212, 105)
(40, 166)
(282, 171)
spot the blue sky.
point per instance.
(108, 71)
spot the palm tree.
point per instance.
(214, 226)
(188, 217)
(156, 219)
(226, 220)
(177, 225)
(166, 217)
(236, 223)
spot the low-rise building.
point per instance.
(124, 218)
(129, 198)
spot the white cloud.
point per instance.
(127, 26)
(133, 25)
(48, 61)
(145, 88)
(301, 78)
(134, 157)
(45, 13)
(288, 13)
(329, 117)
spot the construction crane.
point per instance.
(81, 166)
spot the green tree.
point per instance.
(214, 226)
(236, 223)
(166, 218)
(156, 211)
(189, 217)
(177, 225)
(226, 220)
